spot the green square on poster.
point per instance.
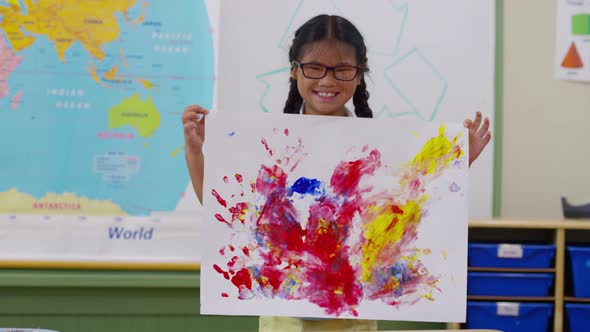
(581, 24)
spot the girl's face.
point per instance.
(327, 95)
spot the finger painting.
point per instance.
(341, 218)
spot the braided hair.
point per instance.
(330, 27)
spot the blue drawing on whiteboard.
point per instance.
(261, 78)
(428, 113)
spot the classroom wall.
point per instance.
(543, 155)
(546, 123)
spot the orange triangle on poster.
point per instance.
(572, 58)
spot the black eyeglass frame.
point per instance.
(327, 69)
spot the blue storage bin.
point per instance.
(517, 318)
(580, 264)
(510, 255)
(578, 316)
(509, 284)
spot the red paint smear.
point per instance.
(333, 286)
(246, 251)
(348, 210)
(458, 152)
(273, 277)
(242, 279)
(221, 271)
(263, 140)
(222, 251)
(224, 295)
(324, 236)
(333, 281)
(270, 179)
(415, 184)
(232, 248)
(239, 178)
(220, 218)
(394, 221)
(232, 263)
(286, 132)
(219, 199)
(396, 209)
(279, 226)
(238, 211)
(225, 179)
(347, 175)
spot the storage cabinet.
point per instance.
(565, 235)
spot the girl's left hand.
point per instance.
(479, 135)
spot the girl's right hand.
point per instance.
(193, 120)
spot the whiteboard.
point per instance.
(429, 59)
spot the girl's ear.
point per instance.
(359, 79)
(294, 72)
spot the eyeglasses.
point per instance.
(317, 71)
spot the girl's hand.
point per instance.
(479, 135)
(193, 120)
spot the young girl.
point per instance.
(328, 60)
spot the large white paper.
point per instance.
(316, 216)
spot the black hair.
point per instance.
(330, 27)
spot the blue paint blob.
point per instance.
(231, 134)
(304, 186)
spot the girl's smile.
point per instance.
(326, 95)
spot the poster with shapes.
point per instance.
(334, 217)
(572, 60)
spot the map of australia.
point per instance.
(90, 95)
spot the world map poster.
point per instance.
(92, 144)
